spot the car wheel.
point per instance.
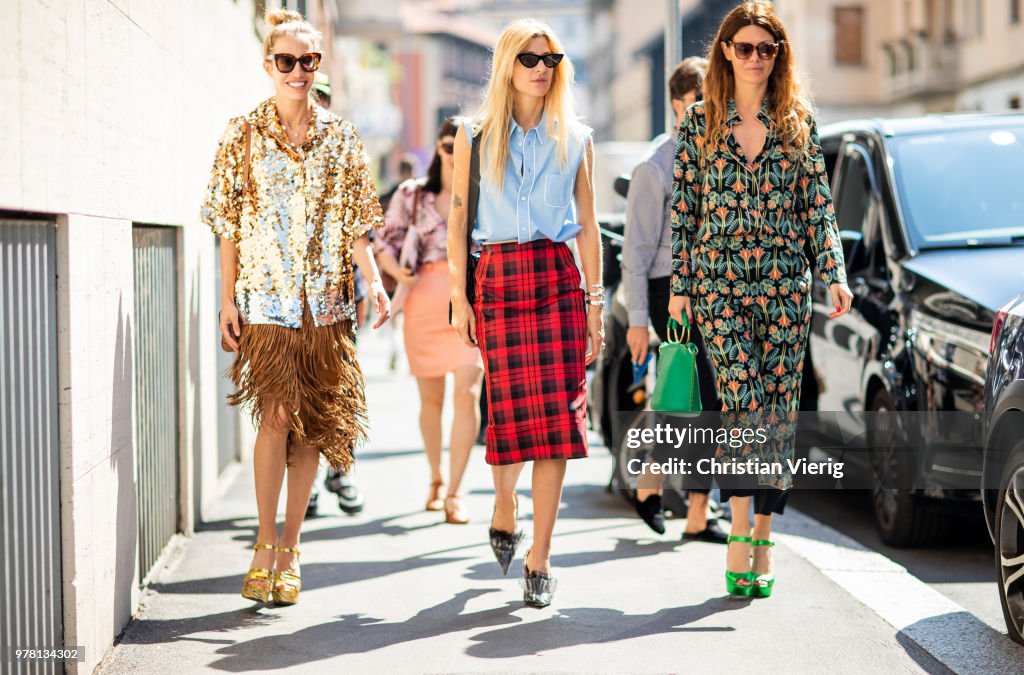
(902, 518)
(1009, 530)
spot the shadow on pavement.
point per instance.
(922, 658)
(371, 455)
(960, 643)
(246, 528)
(314, 575)
(161, 631)
(358, 633)
(385, 526)
(580, 501)
(227, 525)
(625, 549)
(590, 625)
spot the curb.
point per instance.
(942, 628)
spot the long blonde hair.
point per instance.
(788, 105)
(494, 118)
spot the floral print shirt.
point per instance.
(431, 227)
(295, 224)
(774, 201)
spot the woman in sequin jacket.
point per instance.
(292, 200)
(750, 192)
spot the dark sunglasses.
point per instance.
(530, 60)
(286, 62)
(744, 50)
(447, 148)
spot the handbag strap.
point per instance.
(673, 330)
(411, 230)
(474, 193)
(248, 149)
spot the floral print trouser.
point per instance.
(752, 303)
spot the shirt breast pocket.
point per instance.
(557, 191)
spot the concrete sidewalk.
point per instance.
(395, 590)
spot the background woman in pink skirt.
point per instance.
(413, 249)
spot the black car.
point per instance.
(931, 216)
(612, 389)
(1003, 465)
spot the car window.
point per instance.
(831, 153)
(854, 194)
(961, 187)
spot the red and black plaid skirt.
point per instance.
(531, 326)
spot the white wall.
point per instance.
(111, 113)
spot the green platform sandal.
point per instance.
(762, 583)
(739, 583)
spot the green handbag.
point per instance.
(676, 389)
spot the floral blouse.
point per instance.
(295, 225)
(776, 201)
(431, 227)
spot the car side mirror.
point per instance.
(622, 185)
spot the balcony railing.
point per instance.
(922, 65)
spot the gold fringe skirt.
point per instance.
(313, 373)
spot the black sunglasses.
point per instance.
(530, 60)
(744, 50)
(286, 62)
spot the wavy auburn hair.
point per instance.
(789, 107)
(494, 118)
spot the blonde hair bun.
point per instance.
(287, 22)
(279, 16)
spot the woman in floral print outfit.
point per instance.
(750, 191)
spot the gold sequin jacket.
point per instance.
(295, 225)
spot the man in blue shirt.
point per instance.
(646, 272)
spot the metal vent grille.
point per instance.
(31, 610)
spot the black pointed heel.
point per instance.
(538, 587)
(504, 544)
(651, 511)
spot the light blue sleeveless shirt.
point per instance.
(536, 200)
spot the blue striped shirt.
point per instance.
(536, 199)
(647, 250)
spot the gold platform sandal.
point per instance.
(287, 583)
(259, 580)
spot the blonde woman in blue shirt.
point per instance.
(531, 317)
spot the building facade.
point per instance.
(627, 78)
(568, 18)
(439, 64)
(859, 58)
(909, 57)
